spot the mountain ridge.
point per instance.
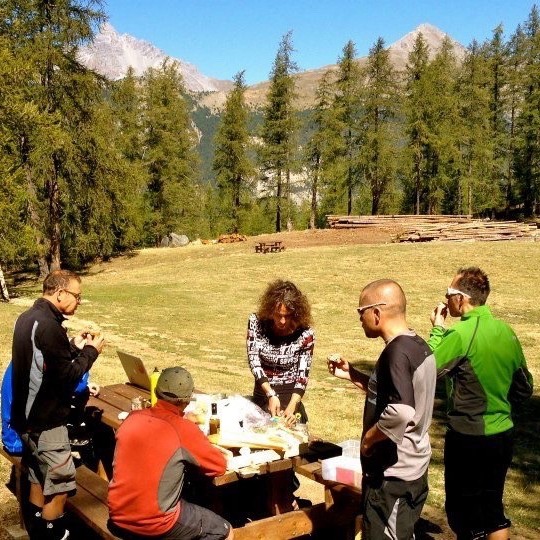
(111, 54)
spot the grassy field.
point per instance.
(189, 306)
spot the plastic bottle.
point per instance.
(214, 422)
(153, 382)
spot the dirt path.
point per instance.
(328, 237)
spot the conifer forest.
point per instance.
(91, 167)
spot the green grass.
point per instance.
(189, 306)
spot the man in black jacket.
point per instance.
(46, 369)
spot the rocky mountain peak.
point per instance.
(111, 54)
(432, 35)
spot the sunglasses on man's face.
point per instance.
(362, 309)
(452, 292)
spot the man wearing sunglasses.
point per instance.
(487, 373)
(47, 367)
(395, 448)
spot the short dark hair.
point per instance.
(287, 293)
(475, 283)
(59, 279)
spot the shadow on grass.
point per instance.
(23, 283)
(28, 283)
(526, 461)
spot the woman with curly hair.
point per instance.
(280, 345)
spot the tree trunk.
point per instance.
(288, 198)
(278, 202)
(314, 186)
(349, 192)
(236, 203)
(54, 216)
(3, 287)
(417, 184)
(35, 220)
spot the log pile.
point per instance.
(231, 238)
(438, 227)
(400, 220)
(481, 230)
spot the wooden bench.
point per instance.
(337, 513)
(89, 504)
(269, 247)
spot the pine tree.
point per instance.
(19, 240)
(61, 94)
(170, 155)
(318, 153)
(514, 98)
(477, 185)
(417, 116)
(126, 107)
(231, 161)
(432, 126)
(380, 102)
(347, 110)
(529, 119)
(279, 131)
(444, 130)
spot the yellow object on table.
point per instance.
(153, 383)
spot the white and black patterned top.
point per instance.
(283, 361)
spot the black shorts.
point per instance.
(475, 468)
(392, 507)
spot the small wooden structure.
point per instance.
(269, 247)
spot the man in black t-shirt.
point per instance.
(395, 447)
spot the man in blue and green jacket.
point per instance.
(487, 376)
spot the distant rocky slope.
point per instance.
(308, 81)
(111, 54)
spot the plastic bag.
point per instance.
(237, 412)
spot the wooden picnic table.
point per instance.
(269, 247)
(268, 491)
(338, 512)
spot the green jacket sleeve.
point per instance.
(447, 346)
(521, 388)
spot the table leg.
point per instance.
(280, 494)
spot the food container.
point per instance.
(346, 468)
(343, 469)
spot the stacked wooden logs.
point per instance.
(231, 238)
(487, 231)
(401, 220)
(427, 228)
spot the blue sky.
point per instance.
(222, 37)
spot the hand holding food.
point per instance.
(338, 366)
(439, 314)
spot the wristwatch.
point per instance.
(271, 393)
